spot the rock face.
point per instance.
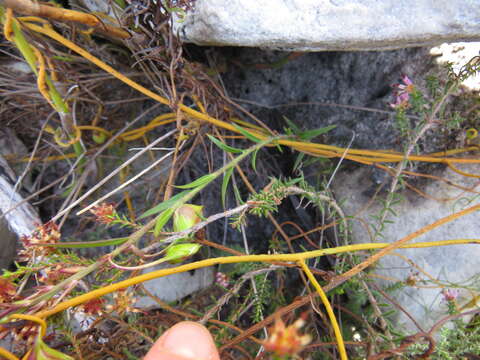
(15, 220)
(430, 270)
(351, 90)
(176, 286)
(312, 25)
(458, 54)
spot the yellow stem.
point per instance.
(458, 171)
(232, 259)
(328, 307)
(73, 140)
(363, 156)
(41, 78)
(7, 27)
(4, 353)
(36, 319)
(400, 243)
(95, 128)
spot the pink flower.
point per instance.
(402, 93)
(221, 279)
(450, 294)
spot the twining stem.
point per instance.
(39, 321)
(237, 259)
(33, 56)
(7, 354)
(363, 156)
(328, 307)
(298, 257)
(137, 235)
(398, 244)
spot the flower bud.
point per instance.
(286, 340)
(187, 216)
(179, 252)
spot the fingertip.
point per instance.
(186, 340)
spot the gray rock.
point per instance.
(455, 265)
(351, 90)
(174, 287)
(312, 25)
(458, 54)
(15, 220)
(101, 6)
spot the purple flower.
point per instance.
(450, 294)
(406, 81)
(222, 279)
(402, 93)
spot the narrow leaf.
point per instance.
(223, 146)
(246, 133)
(226, 179)
(85, 244)
(310, 134)
(162, 220)
(391, 211)
(205, 179)
(254, 160)
(238, 197)
(295, 181)
(164, 205)
(292, 125)
(298, 161)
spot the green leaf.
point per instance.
(52, 354)
(223, 146)
(391, 211)
(205, 179)
(295, 129)
(164, 205)
(121, 3)
(87, 244)
(41, 351)
(310, 134)
(254, 160)
(179, 252)
(295, 181)
(298, 161)
(162, 219)
(238, 197)
(389, 313)
(226, 179)
(246, 133)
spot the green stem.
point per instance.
(86, 244)
(58, 103)
(137, 235)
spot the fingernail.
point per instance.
(190, 340)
